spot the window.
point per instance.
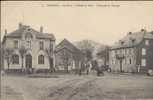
(143, 51)
(41, 43)
(40, 59)
(132, 50)
(15, 44)
(129, 51)
(143, 62)
(28, 36)
(15, 59)
(120, 52)
(113, 62)
(130, 61)
(146, 42)
(51, 46)
(125, 51)
(113, 54)
(28, 44)
(125, 61)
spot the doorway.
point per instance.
(28, 61)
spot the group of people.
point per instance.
(91, 65)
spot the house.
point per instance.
(1, 56)
(68, 57)
(28, 48)
(133, 53)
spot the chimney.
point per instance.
(130, 33)
(41, 29)
(20, 25)
(143, 30)
(122, 42)
(5, 31)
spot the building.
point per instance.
(68, 57)
(133, 53)
(28, 48)
(1, 56)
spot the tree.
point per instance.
(103, 53)
(22, 52)
(87, 47)
(49, 53)
(8, 56)
(88, 54)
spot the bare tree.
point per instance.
(49, 53)
(87, 47)
(22, 52)
(103, 53)
(8, 56)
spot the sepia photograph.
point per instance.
(76, 50)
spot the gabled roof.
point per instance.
(132, 39)
(67, 45)
(18, 33)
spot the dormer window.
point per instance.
(130, 33)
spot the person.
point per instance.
(102, 70)
(80, 69)
(87, 67)
(97, 68)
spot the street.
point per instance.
(75, 87)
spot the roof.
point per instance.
(67, 45)
(132, 39)
(18, 33)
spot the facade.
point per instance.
(133, 53)
(31, 45)
(68, 57)
(1, 57)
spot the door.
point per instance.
(28, 61)
(51, 63)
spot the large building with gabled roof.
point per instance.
(28, 48)
(133, 53)
(68, 56)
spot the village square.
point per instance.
(50, 53)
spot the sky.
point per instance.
(102, 21)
